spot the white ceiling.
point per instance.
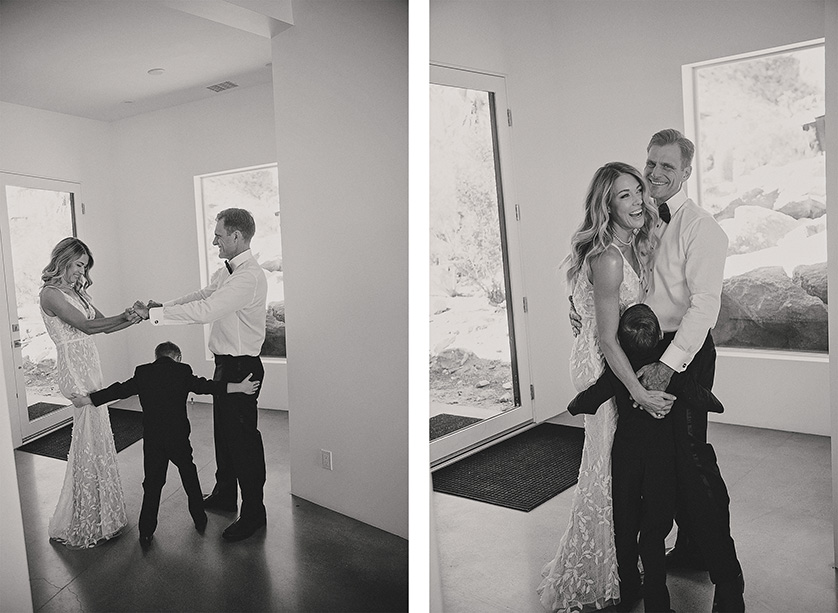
(89, 58)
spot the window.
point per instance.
(257, 190)
(760, 169)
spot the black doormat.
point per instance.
(127, 429)
(445, 423)
(39, 409)
(521, 472)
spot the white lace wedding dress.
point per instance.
(583, 575)
(91, 507)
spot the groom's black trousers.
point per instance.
(239, 453)
(703, 505)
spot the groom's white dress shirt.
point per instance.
(687, 274)
(234, 304)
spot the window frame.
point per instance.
(691, 127)
(204, 241)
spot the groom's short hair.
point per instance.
(671, 136)
(167, 349)
(238, 219)
(639, 330)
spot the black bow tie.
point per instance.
(230, 268)
(663, 211)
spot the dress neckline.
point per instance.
(637, 274)
(75, 299)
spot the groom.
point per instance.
(234, 304)
(685, 294)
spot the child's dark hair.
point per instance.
(168, 349)
(639, 330)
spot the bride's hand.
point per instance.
(132, 316)
(140, 309)
(654, 402)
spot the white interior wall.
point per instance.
(14, 569)
(156, 157)
(590, 82)
(831, 26)
(340, 91)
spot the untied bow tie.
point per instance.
(663, 211)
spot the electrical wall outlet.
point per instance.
(326, 459)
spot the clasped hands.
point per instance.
(655, 378)
(139, 311)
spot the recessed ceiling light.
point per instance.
(156, 71)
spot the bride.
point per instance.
(606, 274)
(91, 507)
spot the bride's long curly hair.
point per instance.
(596, 233)
(68, 250)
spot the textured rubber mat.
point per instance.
(127, 429)
(39, 409)
(521, 472)
(445, 423)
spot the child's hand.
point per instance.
(244, 387)
(80, 401)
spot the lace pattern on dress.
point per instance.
(583, 575)
(91, 506)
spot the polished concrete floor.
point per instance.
(308, 559)
(781, 519)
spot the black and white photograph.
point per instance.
(629, 377)
(448, 306)
(204, 339)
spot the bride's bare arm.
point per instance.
(132, 317)
(606, 276)
(56, 305)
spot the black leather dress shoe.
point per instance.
(145, 540)
(242, 529)
(213, 503)
(729, 596)
(681, 559)
(201, 524)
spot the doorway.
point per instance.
(35, 214)
(479, 375)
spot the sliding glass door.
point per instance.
(479, 378)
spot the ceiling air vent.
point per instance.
(220, 87)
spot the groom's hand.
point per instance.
(152, 304)
(655, 376)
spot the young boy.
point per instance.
(163, 387)
(643, 480)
